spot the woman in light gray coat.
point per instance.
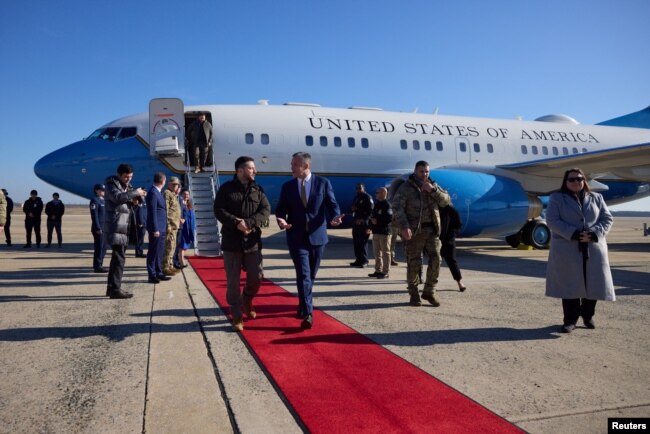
(578, 267)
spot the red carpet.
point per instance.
(337, 380)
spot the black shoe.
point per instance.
(153, 280)
(382, 276)
(394, 263)
(567, 328)
(164, 278)
(462, 288)
(355, 264)
(307, 323)
(300, 314)
(362, 265)
(589, 323)
(140, 255)
(101, 270)
(375, 274)
(120, 294)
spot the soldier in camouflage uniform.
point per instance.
(415, 207)
(173, 223)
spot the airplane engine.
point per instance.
(489, 205)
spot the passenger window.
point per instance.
(309, 140)
(490, 148)
(323, 141)
(544, 150)
(264, 139)
(584, 150)
(416, 145)
(575, 150)
(337, 142)
(565, 151)
(439, 146)
(462, 146)
(249, 138)
(402, 144)
(364, 143)
(477, 147)
(427, 145)
(351, 142)
(534, 149)
(555, 151)
(524, 149)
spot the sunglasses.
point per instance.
(575, 179)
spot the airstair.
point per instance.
(203, 188)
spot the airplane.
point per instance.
(499, 172)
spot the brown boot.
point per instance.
(238, 323)
(248, 309)
(415, 298)
(431, 298)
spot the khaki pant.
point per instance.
(426, 242)
(232, 262)
(381, 250)
(170, 248)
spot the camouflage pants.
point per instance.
(426, 243)
(170, 248)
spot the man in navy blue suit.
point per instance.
(306, 204)
(157, 228)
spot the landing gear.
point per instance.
(534, 233)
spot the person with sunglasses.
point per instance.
(578, 269)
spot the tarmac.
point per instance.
(166, 361)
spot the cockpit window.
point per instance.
(114, 133)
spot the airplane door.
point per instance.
(166, 126)
(463, 150)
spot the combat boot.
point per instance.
(415, 298)
(431, 298)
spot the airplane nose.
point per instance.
(58, 168)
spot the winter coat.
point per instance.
(411, 202)
(238, 201)
(118, 211)
(564, 273)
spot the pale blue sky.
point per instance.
(69, 66)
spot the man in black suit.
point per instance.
(306, 204)
(157, 228)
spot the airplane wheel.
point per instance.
(537, 234)
(514, 240)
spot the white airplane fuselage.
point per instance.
(498, 172)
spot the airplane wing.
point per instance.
(627, 163)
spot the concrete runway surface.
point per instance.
(73, 361)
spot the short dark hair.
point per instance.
(158, 177)
(55, 194)
(124, 168)
(33, 193)
(421, 163)
(239, 163)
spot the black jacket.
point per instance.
(238, 201)
(362, 208)
(54, 211)
(450, 223)
(383, 213)
(34, 207)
